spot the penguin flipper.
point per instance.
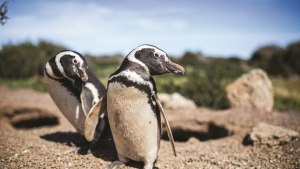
(93, 118)
(168, 128)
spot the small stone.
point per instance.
(25, 151)
(175, 101)
(270, 135)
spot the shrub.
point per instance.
(277, 61)
(26, 59)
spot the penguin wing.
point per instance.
(168, 128)
(93, 118)
(91, 92)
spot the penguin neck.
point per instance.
(77, 83)
(140, 70)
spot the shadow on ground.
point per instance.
(213, 131)
(31, 118)
(103, 148)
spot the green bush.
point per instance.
(26, 59)
(36, 83)
(286, 104)
(286, 94)
(277, 61)
(292, 57)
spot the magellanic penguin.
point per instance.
(77, 93)
(133, 110)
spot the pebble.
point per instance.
(25, 151)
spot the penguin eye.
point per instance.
(75, 61)
(156, 55)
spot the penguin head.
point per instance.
(68, 64)
(154, 60)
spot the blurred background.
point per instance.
(216, 41)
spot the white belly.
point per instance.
(67, 104)
(133, 123)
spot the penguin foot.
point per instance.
(115, 165)
(83, 150)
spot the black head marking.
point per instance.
(132, 66)
(63, 69)
(72, 63)
(153, 59)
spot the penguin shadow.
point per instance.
(71, 139)
(104, 148)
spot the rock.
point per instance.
(253, 90)
(270, 135)
(175, 101)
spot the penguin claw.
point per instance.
(84, 150)
(115, 165)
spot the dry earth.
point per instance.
(34, 134)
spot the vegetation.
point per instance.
(34, 82)
(22, 65)
(3, 13)
(277, 61)
(287, 94)
(26, 59)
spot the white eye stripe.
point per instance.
(49, 71)
(59, 66)
(166, 58)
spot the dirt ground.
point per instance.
(34, 134)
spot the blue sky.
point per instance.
(213, 27)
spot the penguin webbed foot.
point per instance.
(83, 150)
(115, 165)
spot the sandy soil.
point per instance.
(34, 134)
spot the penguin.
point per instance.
(133, 111)
(77, 93)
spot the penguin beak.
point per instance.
(174, 68)
(82, 74)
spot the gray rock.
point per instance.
(175, 101)
(270, 135)
(252, 90)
